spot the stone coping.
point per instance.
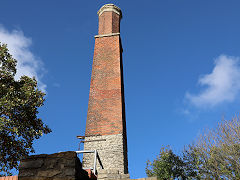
(106, 35)
(110, 7)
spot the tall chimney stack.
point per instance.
(106, 123)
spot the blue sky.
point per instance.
(181, 67)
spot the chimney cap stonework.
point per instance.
(110, 7)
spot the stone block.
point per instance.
(69, 171)
(58, 166)
(31, 164)
(111, 152)
(48, 173)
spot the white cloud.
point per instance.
(221, 85)
(27, 63)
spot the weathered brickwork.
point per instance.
(9, 178)
(109, 22)
(109, 19)
(111, 152)
(105, 108)
(106, 120)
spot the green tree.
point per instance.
(19, 124)
(166, 166)
(216, 153)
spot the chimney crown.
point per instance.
(109, 19)
(110, 7)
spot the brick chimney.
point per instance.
(109, 19)
(106, 123)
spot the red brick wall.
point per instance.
(109, 22)
(106, 106)
(9, 178)
(106, 113)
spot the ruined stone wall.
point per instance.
(111, 152)
(58, 166)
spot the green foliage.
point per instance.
(19, 124)
(166, 166)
